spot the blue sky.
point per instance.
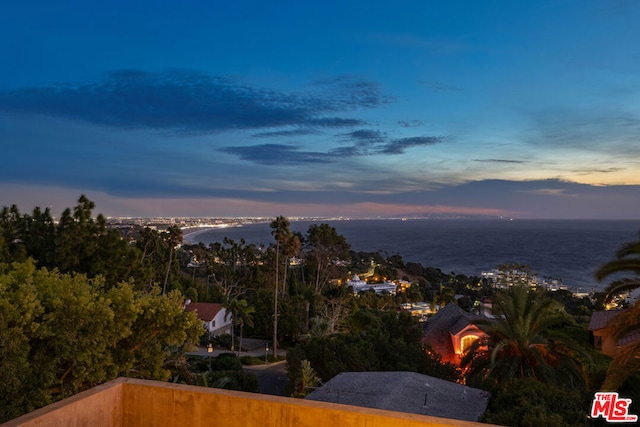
(251, 108)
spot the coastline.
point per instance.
(566, 250)
(189, 234)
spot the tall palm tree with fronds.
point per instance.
(525, 341)
(241, 314)
(244, 316)
(627, 261)
(280, 231)
(627, 361)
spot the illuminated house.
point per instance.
(450, 332)
(128, 402)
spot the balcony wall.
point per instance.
(135, 403)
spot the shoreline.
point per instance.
(189, 233)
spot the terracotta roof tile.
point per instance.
(204, 310)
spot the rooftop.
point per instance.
(204, 310)
(408, 392)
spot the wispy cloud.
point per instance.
(277, 154)
(191, 102)
(590, 171)
(285, 133)
(411, 123)
(363, 142)
(499, 161)
(399, 146)
(440, 87)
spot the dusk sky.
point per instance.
(332, 108)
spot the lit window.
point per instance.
(466, 342)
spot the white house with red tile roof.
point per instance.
(212, 316)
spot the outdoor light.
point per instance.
(210, 350)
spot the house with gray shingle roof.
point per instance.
(602, 339)
(408, 392)
(450, 332)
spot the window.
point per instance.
(597, 342)
(466, 342)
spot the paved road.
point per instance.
(272, 377)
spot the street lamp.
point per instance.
(266, 352)
(210, 351)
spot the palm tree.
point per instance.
(525, 341)
(244, 316)
(231, 307)
(241, 314)
(627, 261)
(627, 361)
(280, 231)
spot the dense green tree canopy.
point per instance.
(64, 333)
(384, 341)
(78, 243)
(326, 248)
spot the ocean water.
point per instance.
(566, 249)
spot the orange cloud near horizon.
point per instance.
(57, 198)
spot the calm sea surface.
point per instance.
(566, 249)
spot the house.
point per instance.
(602, 339)
(359, 285)
(450, 332)
(212, 316)
(407, 392)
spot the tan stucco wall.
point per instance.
(101, 407)
(609, 345)
(138, 403)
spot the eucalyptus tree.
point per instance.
(231, 265)
(40, 236)
(173, 237)
(78, 242)
(525, 340)
(152, 255)
(280, 231)
(326, 247)
(626, 262)
(291, 247)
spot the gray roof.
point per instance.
(437, 331)
(599, 319)
(404, 392)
